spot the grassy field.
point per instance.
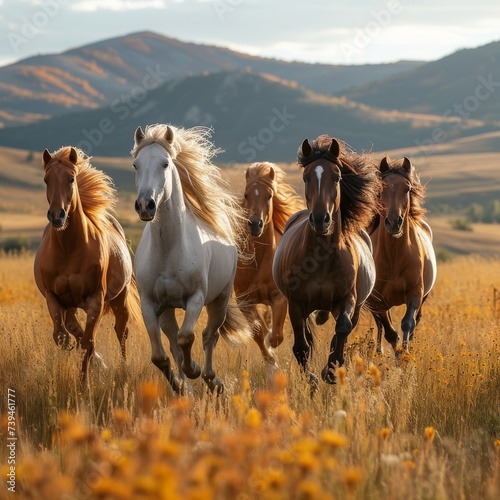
(425, 427)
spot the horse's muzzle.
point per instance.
(395, 228)
(255, 227)
(320, 223)
(145, 209)
(57, 220)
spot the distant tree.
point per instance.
(463, 224)
(30, 157)
(492, 213)
(476, 212)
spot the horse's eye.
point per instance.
(306, 178)
(72, 180)
(135, 166)
(165, 165)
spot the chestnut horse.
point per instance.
(269, 202)
(403, 252)
(83, 260)
(324, 259)
(188, 252)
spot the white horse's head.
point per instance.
(153, 173)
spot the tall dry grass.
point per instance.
(426, 427)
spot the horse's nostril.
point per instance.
(400, 221)
(260, 223)
(249, 222)
(326, 218)
(151, 205)
(62, 213)
(137, 207)
(387, 222)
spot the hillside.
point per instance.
(463, 84)
(98, 74)
(254, 117)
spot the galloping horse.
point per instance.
(269, 202)
(403, 252)
(188, 252)
(324, 260)
(83, 259)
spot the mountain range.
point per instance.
(95, 96)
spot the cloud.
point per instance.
(117, 5)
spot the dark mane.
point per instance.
(417, 211)
(359, 187)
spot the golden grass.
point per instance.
(426, 427)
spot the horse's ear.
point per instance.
(305, 148)
(169, 135)
(138, 136)
(334, 148)
(272, 173)
(73, 156)
(384, 164)
(46, 157)
(407, 166)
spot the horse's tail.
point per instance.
(134, 302)
(235, 328)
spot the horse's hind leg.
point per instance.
(383, 321)
(73, 325)
(278, 307)
(216, 315)
(168, 323)
(122, 315)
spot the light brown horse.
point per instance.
(83, 261)
(403, 252)
(269, 201)
(324, 260)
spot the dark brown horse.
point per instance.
(324, 260)
(83, 261)
(269, 201)
(403, 252)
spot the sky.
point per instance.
(325, 31)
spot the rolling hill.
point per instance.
(465, 84)
(253, 116)
(97, 74)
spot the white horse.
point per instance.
(188, 252)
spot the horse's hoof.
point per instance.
(63, 341)
(328, 375)
(192, 372)
(214, 383)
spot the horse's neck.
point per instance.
(172, 220)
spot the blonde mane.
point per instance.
(206, 194)
(286, 201)
(95, 188)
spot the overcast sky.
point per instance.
(328, 31)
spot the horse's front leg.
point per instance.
(408, 323)
(185, 336)
(57, 313)
(303, 339)
(94, 309)
(158, 355)
(343, 328)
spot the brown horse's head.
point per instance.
(257, 200)
(396, 194)
(322, 176)
(60, 176)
